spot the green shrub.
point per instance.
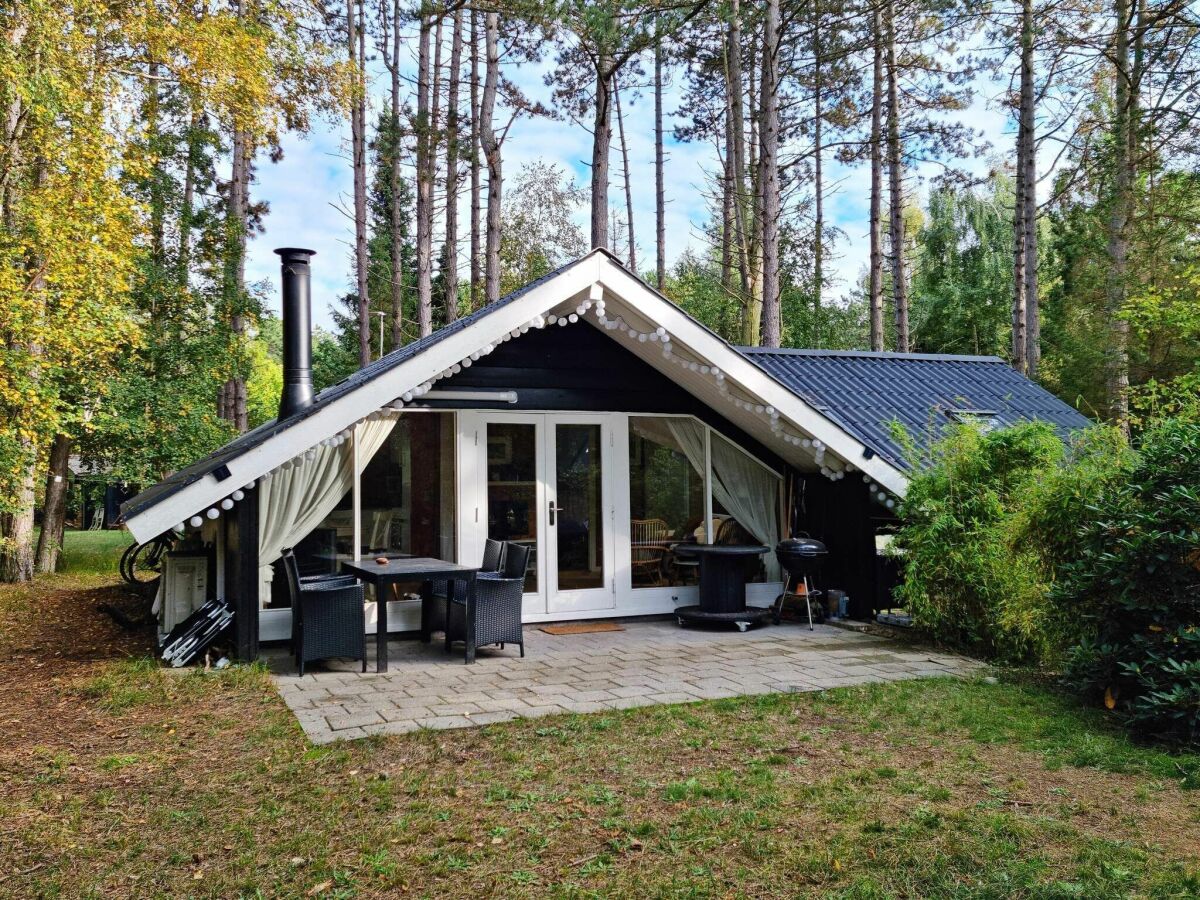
(963, 576)
(1132, 581)
(1046, 520)
(986, 519)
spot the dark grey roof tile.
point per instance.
(866, 392)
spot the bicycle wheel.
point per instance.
(126, 558)
(145, 565)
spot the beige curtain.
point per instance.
(751, 494)
(293, 502)
(748, 490)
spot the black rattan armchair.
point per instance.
(498, 598)
(328, 616)
(435, 594)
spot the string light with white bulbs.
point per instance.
(831, 467)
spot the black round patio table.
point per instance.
(722, 585)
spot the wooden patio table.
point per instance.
(416, 568)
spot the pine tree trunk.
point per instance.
(1118, 238)
(476, 186)
(1033, 328)
(746, 199)
(450, 277)
(355, 45)
(628, 185)
(875, 283)
(424, 210)
(601, 138)
(818, 179)
(234, 402)
(727, 207)
(896, 189)
(435, 145)
(491, 150)
(660, 208)
(1019, 306)
(54, 506)
(769, 177)
(396, 181)
(741, 198)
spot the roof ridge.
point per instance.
(869, 354)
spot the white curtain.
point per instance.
(750, 493)
(293, 502)
(746, 488)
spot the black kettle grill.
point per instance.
(801, 559)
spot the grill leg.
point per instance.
(808, 602)
(787, 582)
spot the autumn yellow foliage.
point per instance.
(71, 79)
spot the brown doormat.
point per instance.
(581, 628)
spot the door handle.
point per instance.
(553, 510)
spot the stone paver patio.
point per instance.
(650, 662)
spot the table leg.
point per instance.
(426, 604)
(381, 627)
(470, 651)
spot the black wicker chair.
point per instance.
(497, 605)
(328, 616)
(435, 594)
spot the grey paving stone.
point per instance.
(445, 722)
(346, 721)
(650, 662)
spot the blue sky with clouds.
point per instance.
(309, 191)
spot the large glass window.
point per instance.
(408, 490)
(407, 502)
(666, 503)
(669, 457)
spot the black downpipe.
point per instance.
(297, 331)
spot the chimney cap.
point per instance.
(293, 252)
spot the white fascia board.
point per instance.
(364, 400)
(690, 335)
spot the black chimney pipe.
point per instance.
(297, 331)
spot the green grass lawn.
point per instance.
(124, 780)
(94, 552)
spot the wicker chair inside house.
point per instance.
(649, 549)
(328, 616)
(498, 601)
(733, 532)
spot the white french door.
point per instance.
(544, 480)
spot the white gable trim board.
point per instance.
(710, 350)
(648, 324)
(371, 396)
